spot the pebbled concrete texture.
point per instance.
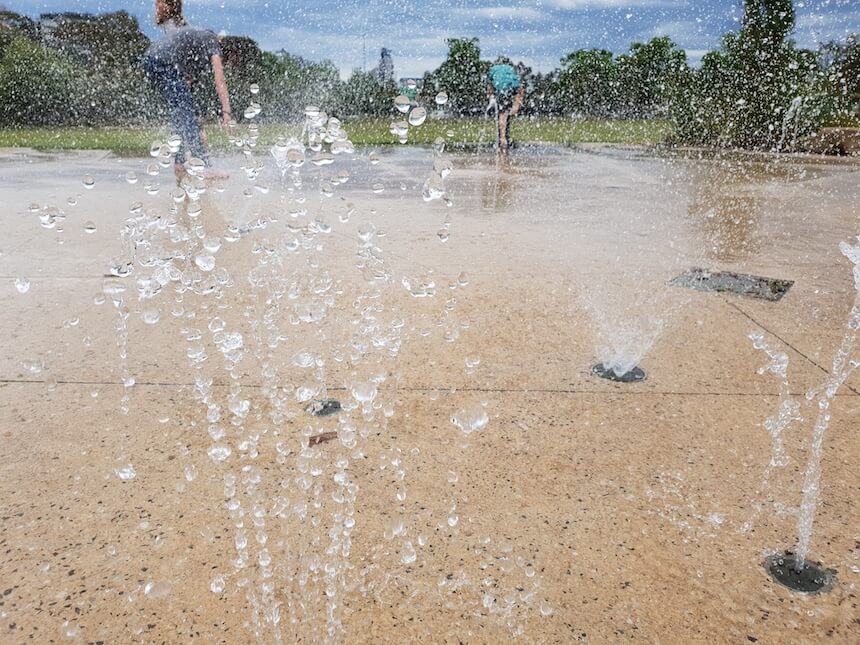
(584, 511)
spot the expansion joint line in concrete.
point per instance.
(632, 391)
(782, 340)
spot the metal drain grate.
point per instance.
(810, 578)
(742, 284)
(324, 407)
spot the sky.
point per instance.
(538, 32)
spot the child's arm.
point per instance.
(221, 89)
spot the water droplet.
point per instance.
(191, 473)
(89, 182)
(322, 159)
(126, 473)
(265, 558)
(344, 146)
(434, 188)
(364, 391)
(174, 143)
(219, 452)
(252, 111)
(112, 288)
(419, 287)
(22, 285)
(441, 98)
(120, 268)
(399, 129)
(33, 366)
(229, 342)
(70, 630)
(254, 88)
(205, 262)
(417, 116)
(409, 554)
(304, 359)
(196, 166)
(151, 316)
(160, 589)
(89, 227)
(442, 166)
(131, 177)
(217, 585)
(377, 188)
(471, 418)
(50, 216)
(373, 157)
(402, 103)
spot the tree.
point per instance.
(363, 94)
(463, 75)
(17, 23)
(36, 85)
(113, 40)
(841, 60)
(767, 23)
(758, 88)
(587, 84)
(650, 75)
(542, 97)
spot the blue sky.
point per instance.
(538, 32)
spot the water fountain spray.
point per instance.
(793, 569)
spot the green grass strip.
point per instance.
(362, 132)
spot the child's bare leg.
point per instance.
(503, 128)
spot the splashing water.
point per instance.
(843, 366)
(791, 124)
(294, 323)
(628, 322)
(789, 410)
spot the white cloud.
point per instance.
(500, 13)
(607, 4)
(678, 30)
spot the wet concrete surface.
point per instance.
(585, 510)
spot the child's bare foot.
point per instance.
(180, 172)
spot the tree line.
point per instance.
(747, 93)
